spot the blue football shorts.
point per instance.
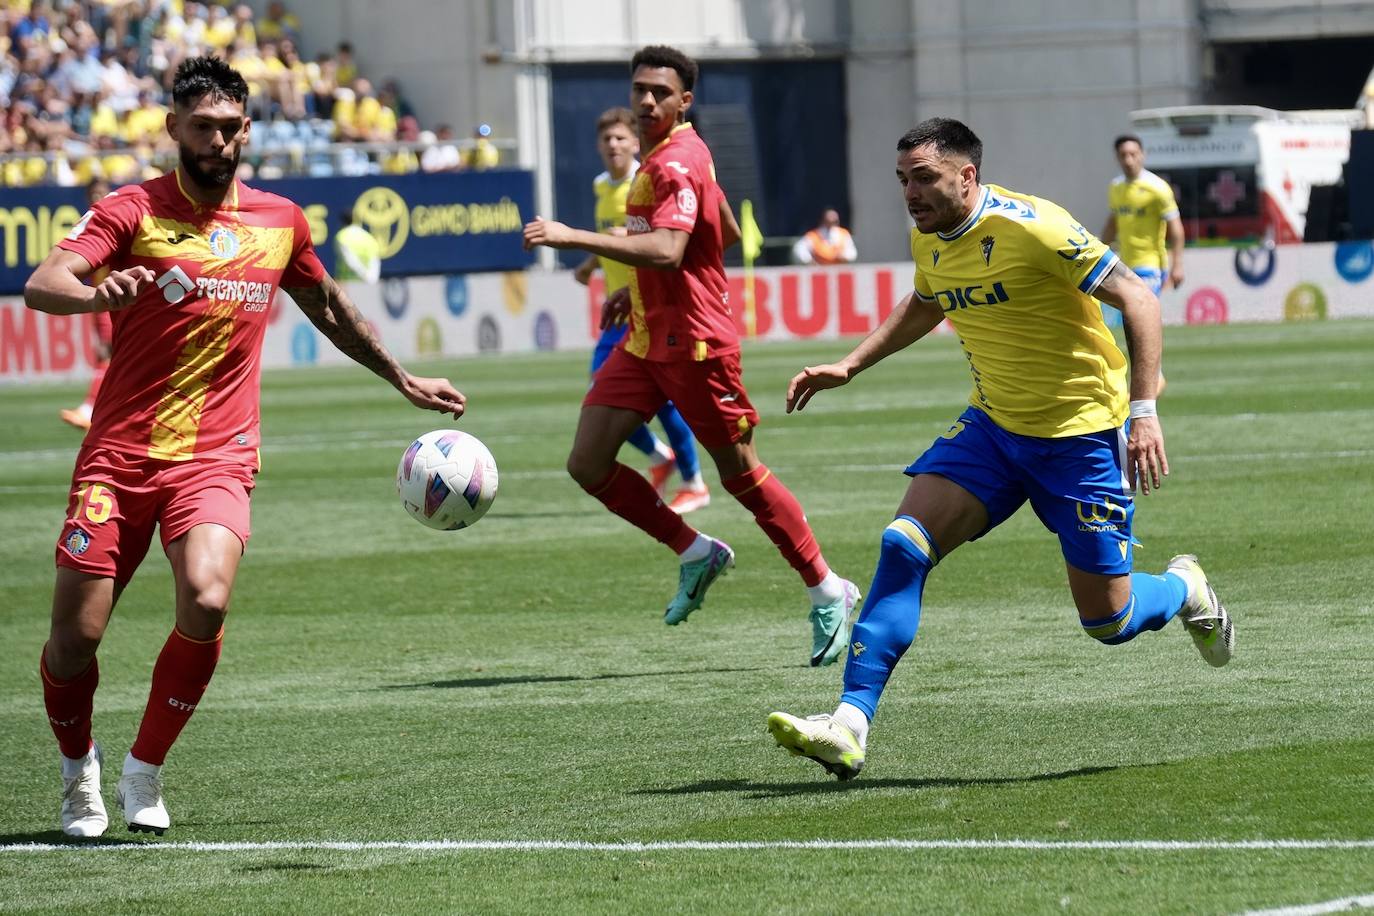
(1076, 485)
(1154, 279)
(606, 343)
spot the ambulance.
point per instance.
(1241, 172)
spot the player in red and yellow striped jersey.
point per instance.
(683, 346)
(195, 262)
(618, 143)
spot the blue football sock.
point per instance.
(1154, 602)
(891, 612)
(680, 438)
(644, 439)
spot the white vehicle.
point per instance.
(1241, 172)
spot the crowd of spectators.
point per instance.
(85, 85)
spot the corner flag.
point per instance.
(751, 244)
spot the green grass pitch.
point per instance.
(514, 682)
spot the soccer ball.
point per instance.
(446, 479)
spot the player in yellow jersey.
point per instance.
(1051, 422)
(1143, 219)
(617, 140)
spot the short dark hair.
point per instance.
(198, 76)
(664, 56)
(1127, 138)
(612, 116)
(948, 136)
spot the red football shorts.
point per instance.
(117, 499)
(708, 393)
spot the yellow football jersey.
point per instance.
(1142, 207)
(610, 214)
(1015, 279)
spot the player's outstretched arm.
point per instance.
(661, 248)
(329, 309)
(1146, 462)
(912, 319)
(56, 287)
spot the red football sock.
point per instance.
(182, 673)
(780, 516)
(633, 498)
(96, 378)
(69, 705)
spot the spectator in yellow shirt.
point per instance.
(104, 120)
(243, 24)
(374, 121)
(145, 123)
(221, 31)
(345, 114)
(278, 24)
(483, 154)
(345, 68)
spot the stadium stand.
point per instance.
(84, 94)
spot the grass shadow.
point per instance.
(58, 838)
(494, 681)
(752, 789)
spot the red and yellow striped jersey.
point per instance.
(184, 375)
(683, 313)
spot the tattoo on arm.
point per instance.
(329, 309)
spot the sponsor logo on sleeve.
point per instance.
(687, 201)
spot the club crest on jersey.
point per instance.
(224, 243)
(987, 242)
(77, 543)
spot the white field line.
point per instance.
(1345, 904)
(691, 846)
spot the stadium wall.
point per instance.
(523, 312)
(1047, 89)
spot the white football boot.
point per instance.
(1202, 613)
(83, 810)
(140, 795)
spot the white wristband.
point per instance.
(1143, 408)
